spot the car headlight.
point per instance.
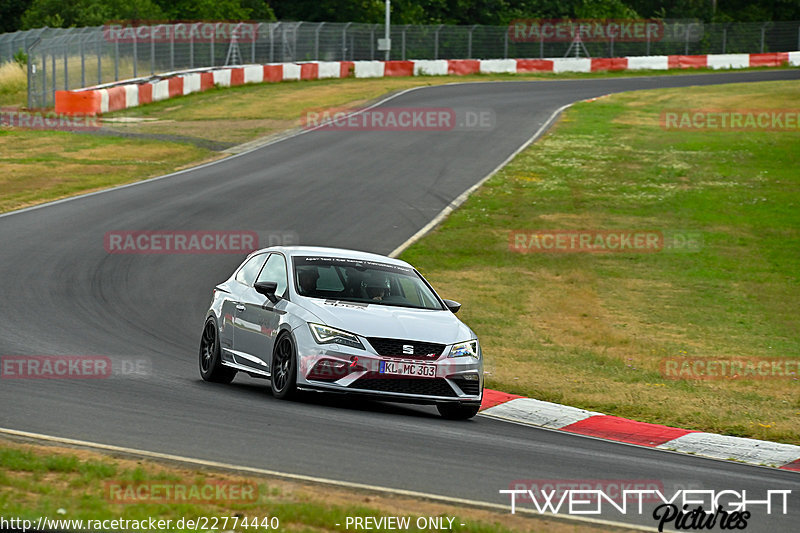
(327, 335)
(465, 349)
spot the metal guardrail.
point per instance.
(78, 57)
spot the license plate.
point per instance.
(399, 368)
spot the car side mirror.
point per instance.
(267, 288)
(452, 306)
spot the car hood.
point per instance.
(390, 322)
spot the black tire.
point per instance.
(458, 411)
(283, 370)
(211, 368)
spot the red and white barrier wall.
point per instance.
(98, 100)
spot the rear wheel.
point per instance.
(458, 411)
(284, 368)
(211, 368)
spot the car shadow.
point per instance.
(351, 402)
(354, 402)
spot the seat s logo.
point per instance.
(408, 349)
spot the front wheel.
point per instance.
(284, 369)
(458, 411)
(211, 368)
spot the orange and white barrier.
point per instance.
(104, 99)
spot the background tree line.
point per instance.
(26, 14)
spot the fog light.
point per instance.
(470, 377)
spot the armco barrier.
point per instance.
(649, 63)
(433, 67)
(572, 64)
(729, 61)
(98, 100)
(498, 66)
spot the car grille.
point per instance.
(471, 388)
(422, 386)
(394, 348)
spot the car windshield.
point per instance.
(366, 282)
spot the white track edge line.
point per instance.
(452, 206)
(312, 479)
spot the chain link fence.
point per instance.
(79, 57)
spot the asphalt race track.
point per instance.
(62, 294)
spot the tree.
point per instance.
(210, 10)
(69, 13)
(329, 10)
(259, 9)
(605, 9)
(12, 11)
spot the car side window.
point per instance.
(247, 274)
(275, 270)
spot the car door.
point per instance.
(260, 317)
(232, 308)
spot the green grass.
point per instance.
(590, 330)
(42, 166)
(13, 84)
(68, 484)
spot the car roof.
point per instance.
(321, 251)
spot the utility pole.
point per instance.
(385, 44)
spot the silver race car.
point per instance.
(336, 320)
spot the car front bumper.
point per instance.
(342, 369)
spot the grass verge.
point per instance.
(71, 484)
(13, 84)
(592, 330)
